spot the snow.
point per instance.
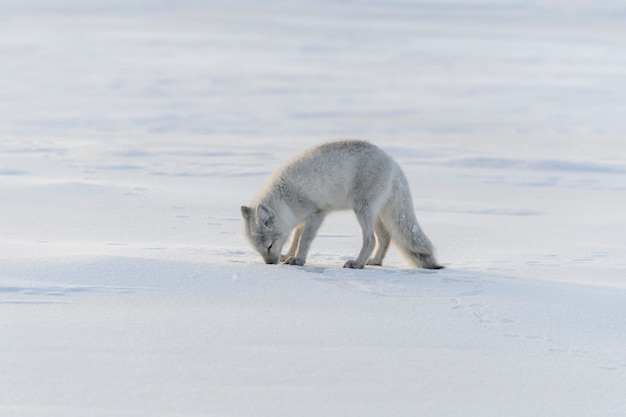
(133, 131)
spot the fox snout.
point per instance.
(270, 259)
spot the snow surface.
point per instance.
(132, 131)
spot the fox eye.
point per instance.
(270, 247)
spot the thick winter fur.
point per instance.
(344, 175)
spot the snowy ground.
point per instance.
(131, 132)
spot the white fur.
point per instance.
(343, 175)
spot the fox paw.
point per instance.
(292, 260)
(353, 264)
(374, 262)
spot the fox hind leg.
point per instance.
(383, 239)
(365, 218)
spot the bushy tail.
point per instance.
(398, 216)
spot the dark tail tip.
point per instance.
(428, 261)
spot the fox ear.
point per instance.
(265, 215)
(246, 212)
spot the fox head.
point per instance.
(260, 227)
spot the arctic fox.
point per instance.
(343, 175)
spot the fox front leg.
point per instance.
(295, 241)
(309, 230)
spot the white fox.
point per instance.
(342, 175)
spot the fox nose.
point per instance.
(271, 259)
